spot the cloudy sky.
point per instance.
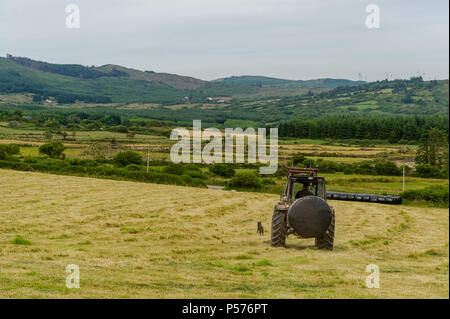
(210, 39)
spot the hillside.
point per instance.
(127, 92)
(182, 242)
(109, 70)
(172, 80)
(17, 78)
(117, 84)
(268, 82)
(399, 97)
(110, 83)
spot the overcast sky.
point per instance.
(210, 39)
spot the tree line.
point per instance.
(392, 128)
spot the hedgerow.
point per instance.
(66, 168)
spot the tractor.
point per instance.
(303, 210)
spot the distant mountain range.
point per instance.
(264, 82)
(115, 83)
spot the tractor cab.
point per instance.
(301, 182)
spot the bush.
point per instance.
(309, 163)
(387, 168)
(445, 173)
(282, 171)
(54, 162)
(4, 156)
(7, 157)
(268, 181)
(223, 170)
(245, 180)
(157, 163)
(53, 149)
(192, 167)
(437, 194)
(6, 150)
(428, 171)
(298, 159)
(195, 174)
(10, 149)
(30, 159)
(364, 168)
(192, 181)
(82, 162)
(327, 166)
(126, 158)
(121, 129)
(134, 167)
(175, 169)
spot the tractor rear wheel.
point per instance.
(326, 241)
(279, 229)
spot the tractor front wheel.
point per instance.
(279, 229)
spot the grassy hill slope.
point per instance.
(412, 96)
(173, 80)
(107, 84)
(15, 78)
(115, 83)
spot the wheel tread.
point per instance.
(327, 239)
(279, 229)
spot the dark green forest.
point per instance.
(392, 128)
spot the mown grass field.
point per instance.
(136, 240)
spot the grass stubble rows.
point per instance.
(136, 240)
